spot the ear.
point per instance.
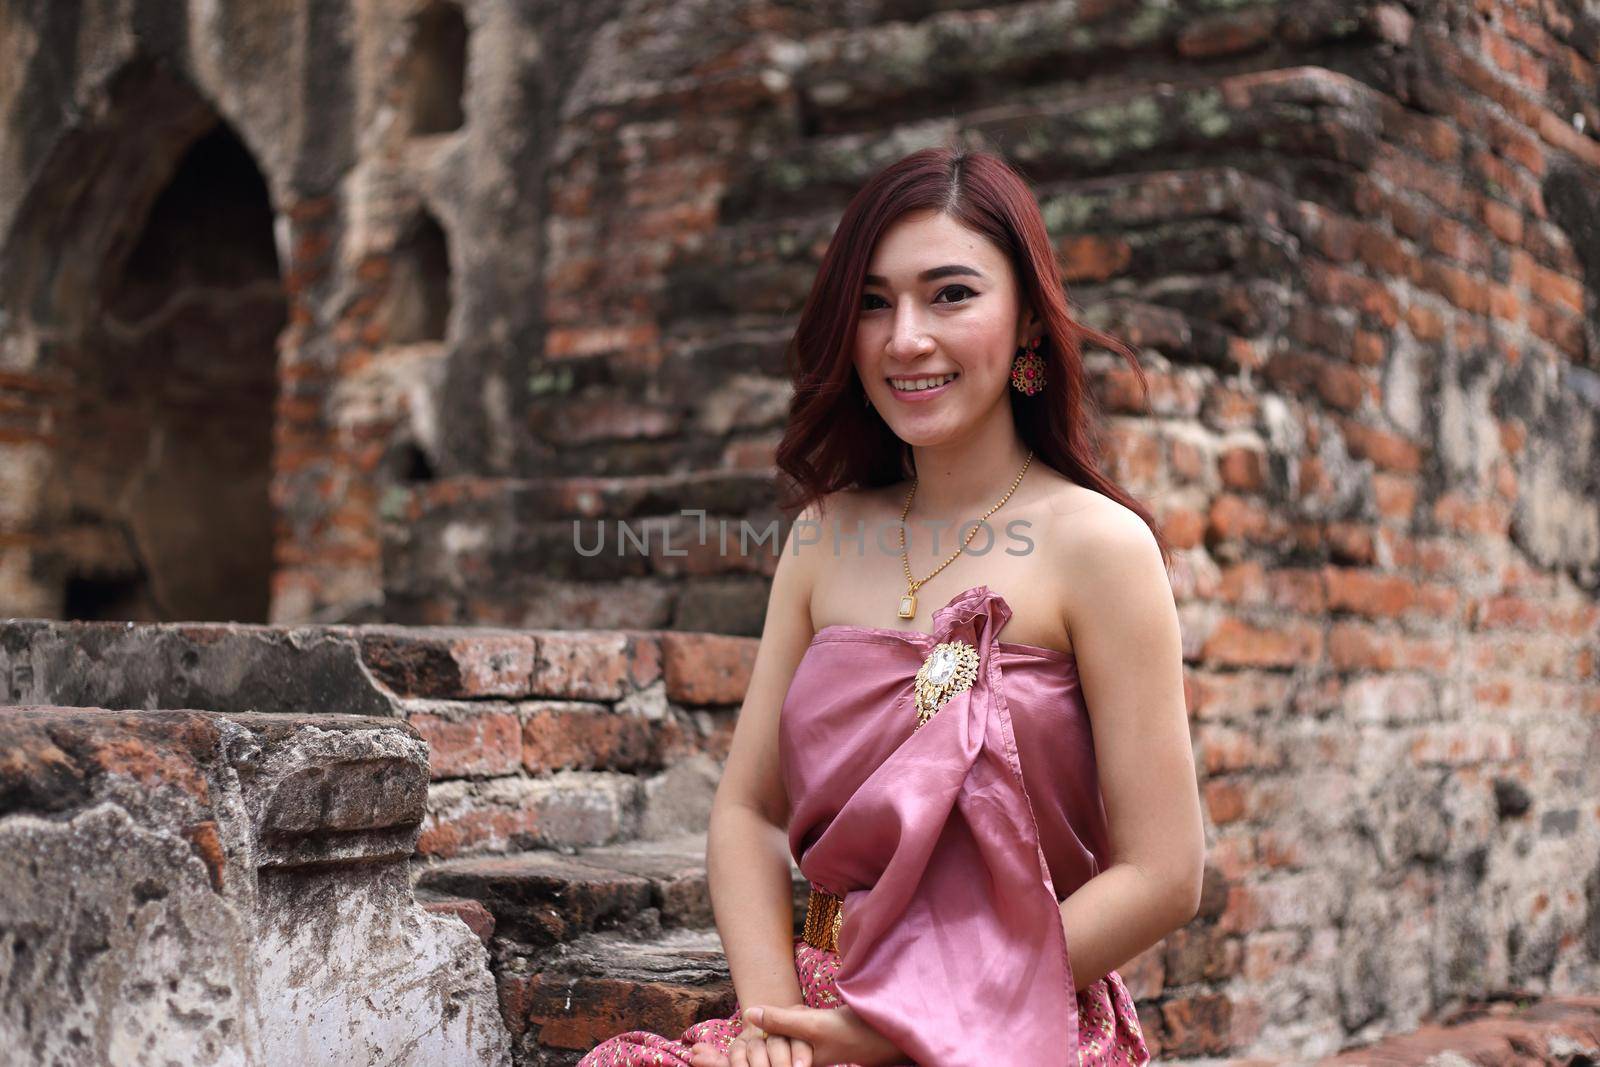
(1027, 327)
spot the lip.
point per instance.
(923, 395)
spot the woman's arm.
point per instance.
(1125, 635)
(747, 847)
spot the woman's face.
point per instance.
(962, 320)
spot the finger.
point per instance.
(705, 1054)
(758, 1055)
(803, 1053)
(778, 1052)
(780, 1021)
(739, 1054)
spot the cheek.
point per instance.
(981, 340)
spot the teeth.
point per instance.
(916, 384)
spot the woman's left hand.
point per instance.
(837, 1035)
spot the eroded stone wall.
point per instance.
(225, 889)
(541, 270)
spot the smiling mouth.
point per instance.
(917, 385)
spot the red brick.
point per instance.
(1225, 800)
(1558, 132)
(1242, 469)
(1297, 591)
(567, 342)
(1237, 643)
(1349, 542)
(1093, 258)
(1355, 646)
(1242, 583)
(1457, 744)
(1200, 953)
(707, 668)
(1368, 593)
(1222, 749)
(1185, 459)
(1560, 328)
(1387, 450)
(1504, 222)
(1135, 455)
(1505, 304)
(1382, 252)
(1368, 349)
(1227, 33)
(470, 740)
(1557, 289)
(1424, 323)
(578, 1013)
(472, 912)
(1462, 288)
(1340, 288)
(1197, 1026)
(1279, 849)
(1235, 518)
(558, 736)
(1395, 496)
(1461, 513)
(474, 829)
(594, 664)
(1182, 527)
(449, 663)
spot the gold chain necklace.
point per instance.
(908, 603)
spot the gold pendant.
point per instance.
(908, 606)
(950, 668)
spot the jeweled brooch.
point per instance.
(950, 668)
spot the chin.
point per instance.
(924, 436)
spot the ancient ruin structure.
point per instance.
(321, 324)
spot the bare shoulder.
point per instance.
(1085, 525)
(1101, 552)
(805, 556)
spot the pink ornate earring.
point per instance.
(1027, 369)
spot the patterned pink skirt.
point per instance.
(1108, 1027)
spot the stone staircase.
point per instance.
(357, 867)
(595, 942)
(204, 888)
(552, 795)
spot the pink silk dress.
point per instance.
(951, 845)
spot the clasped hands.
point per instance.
(801, 1037)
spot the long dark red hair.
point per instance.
(834, 440)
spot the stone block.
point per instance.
(217, 889)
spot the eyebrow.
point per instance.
(930, 274)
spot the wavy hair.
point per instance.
(834, 440)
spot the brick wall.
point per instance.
(1354, 242)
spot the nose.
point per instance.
(908, 340)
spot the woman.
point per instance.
(989, 826)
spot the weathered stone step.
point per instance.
(377, 669)
(604, 984)
(590, 497)
(235, 886)
(544, 898)
(863, 76)
(1535, 1029)
(1205, 241)
(1294, 114)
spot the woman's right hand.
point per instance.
(752, 1047)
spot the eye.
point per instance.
(967, 292)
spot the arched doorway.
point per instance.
(145, 266)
